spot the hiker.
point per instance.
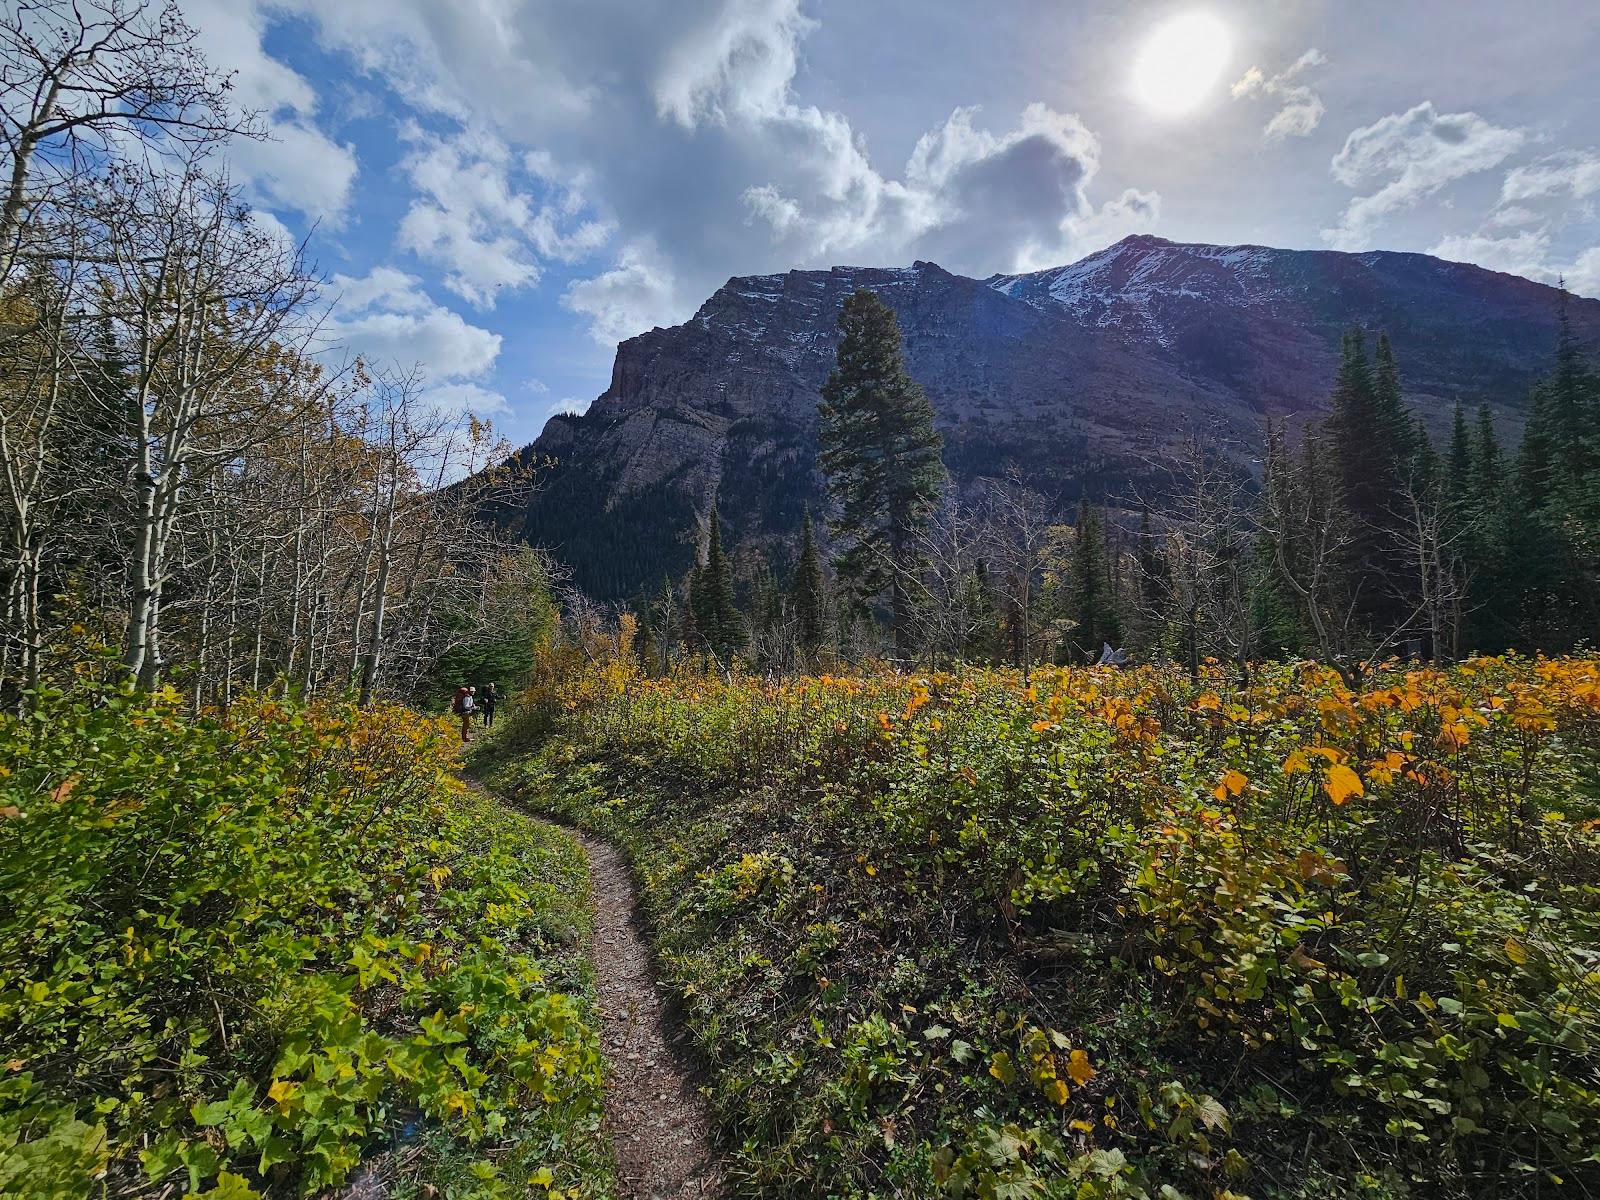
(490, 698)
(464, 705)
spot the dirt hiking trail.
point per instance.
(654, 1116)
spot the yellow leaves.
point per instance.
(1041, 726)
(1208, 702)
(1055, 1091)
(1516, 952)
(1078, 1067)
(1002, 1068)
(883, 720)
(1342, 783)
(283, 1093)
(1385, 768)
(1232, 784)
(1296, 763)
(438, 875)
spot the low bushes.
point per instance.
(272, 951)
(1099, 933)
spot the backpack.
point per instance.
(459, 704)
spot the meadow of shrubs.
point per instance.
(278, 950)
(1093, 933)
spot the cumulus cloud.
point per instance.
(1583, 276)
(735, 62)
(1300, 109)
(974, 200)
(458, 398)
(1518, 254)
(300, 169)
(1531, 253)
(637, 294)
(702, 158)
(1410, 156)
(386, 318)
(476, 215)
(1512, 215)
(1023, 192)
(1573, 174)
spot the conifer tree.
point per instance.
(1396, 432)
(880, 453)
(716, 614)
(1373, 450)
(808, 597)
(1486, 467)
(1092, 595)
(1460, 462)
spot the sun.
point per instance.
(1180, 62)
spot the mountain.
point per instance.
(1081, 375)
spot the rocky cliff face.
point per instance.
(1081, 375)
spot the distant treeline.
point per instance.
(1361, 539)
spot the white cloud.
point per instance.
(1529, 253)
(387, 319)
(1583, 276)
(736, 63)
(975, 200)
(1572, 173)
(1021, 195)
(1519, 253)
(475, 213)
(1512, 215)
(634, 296)
(1410, 156)
(1301, 109)
(300, 169)
(465, 398)
(671, 122)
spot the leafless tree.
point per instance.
(82, 83)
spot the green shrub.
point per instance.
(252, 952)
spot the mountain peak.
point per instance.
(1078, 375)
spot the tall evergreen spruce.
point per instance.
(1486, 467)
(808, 597)
(1373, 443)
(880, 453)
(1092, 590)
(1459, 466)
(716, 615)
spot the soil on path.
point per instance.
(654, 1116)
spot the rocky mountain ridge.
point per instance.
(1082, 375)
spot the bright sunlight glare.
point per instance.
(1181, 62)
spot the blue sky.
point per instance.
(499, 190)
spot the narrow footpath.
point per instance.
(654, 1116)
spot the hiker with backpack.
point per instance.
(463, 706)
(490, 699)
